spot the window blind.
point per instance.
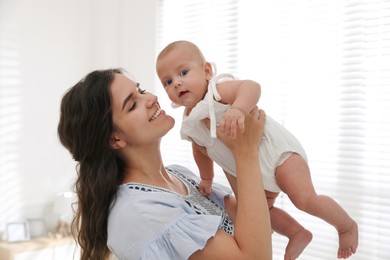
(324, 67)
(212, 26)
(10, 122)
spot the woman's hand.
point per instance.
(252, 136)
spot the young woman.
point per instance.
(129, 203)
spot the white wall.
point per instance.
(46, 46)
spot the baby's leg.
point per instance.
(286, 225)
(293, 177)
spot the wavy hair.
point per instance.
(85, 129)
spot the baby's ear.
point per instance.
(208, 69)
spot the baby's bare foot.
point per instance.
(348, 241)
(297, 244)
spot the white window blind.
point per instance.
(10, 122)
(324, 67)
(212, 25)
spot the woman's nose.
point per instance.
(151, 100)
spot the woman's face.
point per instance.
(136, 114)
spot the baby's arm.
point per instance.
(243, 96)
(206, 169)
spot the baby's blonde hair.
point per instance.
(183, 44)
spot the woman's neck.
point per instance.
(143, 162)
(148, 169)
(155, 176)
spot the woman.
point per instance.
(133, 206)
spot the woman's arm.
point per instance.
(252, 235)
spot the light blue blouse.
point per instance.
(148, 222)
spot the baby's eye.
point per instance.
(168, 82)
(183, 72)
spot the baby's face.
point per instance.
(184, 76)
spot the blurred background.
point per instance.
(324, 68)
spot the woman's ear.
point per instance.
(208, 69)
(116, 142)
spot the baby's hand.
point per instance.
(205, 187)
(251, 138)
(231, 119)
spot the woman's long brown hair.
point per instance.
(85, 129)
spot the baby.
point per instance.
(222, 101)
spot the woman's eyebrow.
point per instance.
(126, 100)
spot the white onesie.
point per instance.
(277, 144)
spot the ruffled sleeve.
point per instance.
(192, 124)
(181, 239)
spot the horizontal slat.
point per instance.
(324, 67)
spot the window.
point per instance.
(216, 35)
(324, 67)
(10, 121)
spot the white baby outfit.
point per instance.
(277, 144)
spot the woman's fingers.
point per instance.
(254, 128)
